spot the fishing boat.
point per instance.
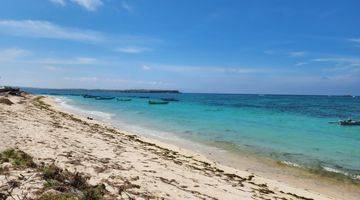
(153, 102)
(104, 98)
(89, 96)
(169, 99)
(123, 99)
(349, 122)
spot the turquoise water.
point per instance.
(287, 128)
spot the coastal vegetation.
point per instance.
(58, 184)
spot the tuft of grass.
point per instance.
(58, 196)
(94, 193)
(17, 158)
(77, 181)
(67, 185)
(65, 182)
(51, 183)
(52, 172)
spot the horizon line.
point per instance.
(185, 92)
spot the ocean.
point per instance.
(291, 129)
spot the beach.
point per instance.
(129, 166)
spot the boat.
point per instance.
(348, 95)
(123, 99)
(349, 122)
(153, 102)
(104, 98)
(89, 96)
(169, 99)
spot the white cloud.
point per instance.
(90, 5)
(82, 79)
(297, 53)
(132, 49)
(85, 60)
(45, 29)
(354, 61)
(126, 6)
(344, 64)
(280, 52)
(301, 64)
(58, 2)
(145, 67)
(211, 69)
(67, 61)
(355, 40)
(111, 81)
(12, 54)
(52, 68)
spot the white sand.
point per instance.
(113, 157)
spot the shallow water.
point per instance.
(292, 129)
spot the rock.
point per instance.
(6, 101)
(4, 91)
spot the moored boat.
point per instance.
(153, 102)
(349, 122)
(123, 99)
(104, 98)
(89, 96)
(169, 99)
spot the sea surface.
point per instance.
(291, 129)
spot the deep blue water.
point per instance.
(288, 128)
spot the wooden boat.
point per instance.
(169, 99)
(90, 96)
(349, 122)
(153, 102)
(123, 99)
(104, 98)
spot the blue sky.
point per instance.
(254, 46)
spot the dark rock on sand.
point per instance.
(4, 91)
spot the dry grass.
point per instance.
(59, 184)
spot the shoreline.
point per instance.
(226, 155)
(224, 152)
(172, 161)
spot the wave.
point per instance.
(325, 170)
(66, 104)
(337, 171)
(292, 164)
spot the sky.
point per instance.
(212, 46)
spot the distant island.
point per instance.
(148, 91)
(106, 90)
